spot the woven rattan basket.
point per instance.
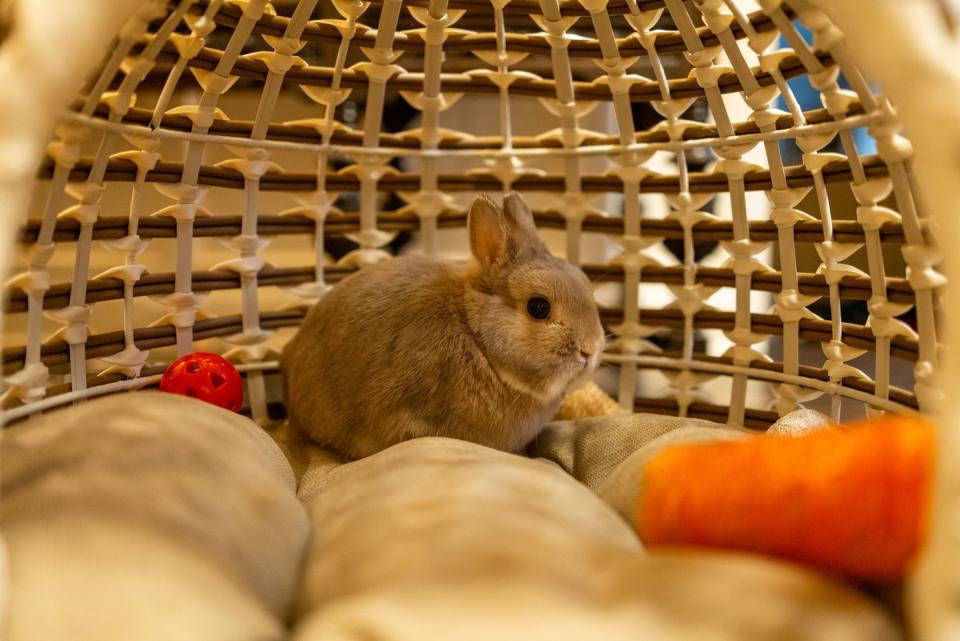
(227, 162)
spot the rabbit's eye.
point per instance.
(538, 307)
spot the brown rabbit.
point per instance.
(415, 347)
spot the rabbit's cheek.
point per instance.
(559, 386)
(578, 380)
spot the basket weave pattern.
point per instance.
(151, 153)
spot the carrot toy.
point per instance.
(852, 501)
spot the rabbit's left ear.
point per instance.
(488, 232)
(524, 238)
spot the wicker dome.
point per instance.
(230, 161)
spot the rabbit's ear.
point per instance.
(523, 233)
(488, 231)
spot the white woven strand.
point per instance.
(369, 168)
(126, 39)
(430, 202)
(318, 204)
(821, 387)
(29, 384)
(253, 163)
(188, 47)
(493, 155)
(76, 315)
(574, 203)
(632, 336)
(130, 360)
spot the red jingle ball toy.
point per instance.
(208, 377)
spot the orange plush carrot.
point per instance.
(850, 501)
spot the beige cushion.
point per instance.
(590, 449)
(118, 505)
(77, 578)
(436, 509)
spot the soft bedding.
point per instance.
(147, 517)
(152, 517)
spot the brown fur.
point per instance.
(415, 347)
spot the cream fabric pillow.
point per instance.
(438, 509)
(157, 515)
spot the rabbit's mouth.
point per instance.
(585, 361)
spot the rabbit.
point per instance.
(412, 347)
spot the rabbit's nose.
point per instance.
(586, 355)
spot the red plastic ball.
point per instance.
(205, 376)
